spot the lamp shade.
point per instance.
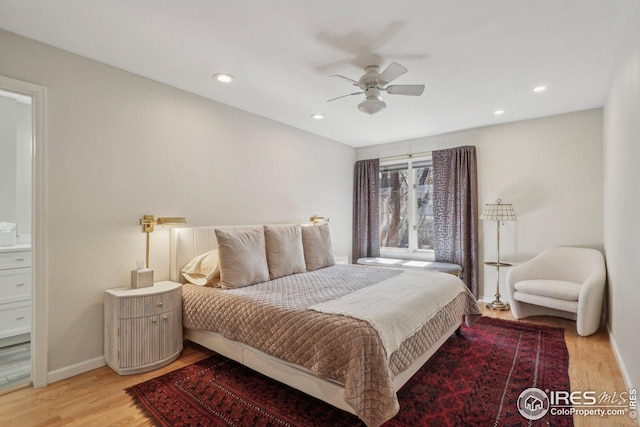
(372, 105)
(498, 212)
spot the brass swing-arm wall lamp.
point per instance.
(148, 222)
(316, 220)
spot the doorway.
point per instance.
(23, 344)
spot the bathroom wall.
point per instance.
(15, 161)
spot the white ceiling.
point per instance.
(474, 56)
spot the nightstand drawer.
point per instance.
(150, 304)
(15, 260)
(15, 285)
(15, 319)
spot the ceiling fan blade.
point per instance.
(411, 90)
(392, 72)
(355, 82)
(344, 96)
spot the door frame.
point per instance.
(39, 288)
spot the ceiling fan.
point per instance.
(373, 83)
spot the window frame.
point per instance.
(412, 252)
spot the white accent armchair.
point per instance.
(561, 282)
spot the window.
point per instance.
(406, 207)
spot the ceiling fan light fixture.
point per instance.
(373, 82)
(372, 105)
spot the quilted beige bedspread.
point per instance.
(274, 317)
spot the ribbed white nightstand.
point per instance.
(143, 327)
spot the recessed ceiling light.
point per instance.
(317, 116)
(223, 77)
(540, 88)
(498, 112)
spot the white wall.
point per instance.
(550, 169)
(8, 158)
(24, 169)
(120, 146)
(622, 204)
(15, 164)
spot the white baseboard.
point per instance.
(623, 368)
(487, 299)
(77, 369)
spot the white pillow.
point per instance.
(203, 269)
(243, 260)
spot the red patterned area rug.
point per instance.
(475, 379)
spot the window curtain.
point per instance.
(455, 206)
(366, 208)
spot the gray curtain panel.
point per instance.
(366, 210)
(455, 206)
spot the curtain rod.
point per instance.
(409, 155)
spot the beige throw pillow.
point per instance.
(318, 250)
(243, 260)
(203, 269)
(285, 255)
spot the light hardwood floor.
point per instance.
(97, 398)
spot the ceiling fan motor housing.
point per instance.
(371, 77)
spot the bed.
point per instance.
(329, 332)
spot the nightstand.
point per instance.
(143, 327)
(342, 259)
